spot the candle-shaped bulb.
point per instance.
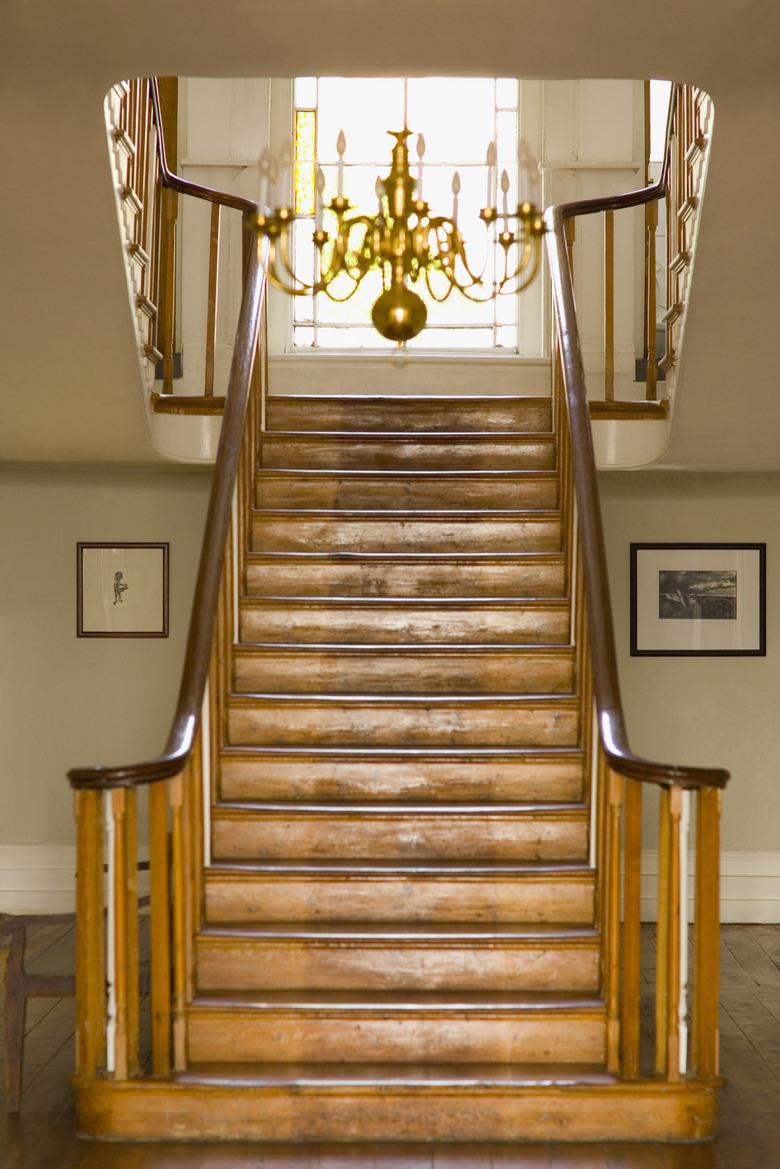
(524, 159)
(319, 198)
(379, 187)
(273, 171)
(490, 159)
(420, 154)
(455, 193)
(285, 158)
(505, 194)
(341, 147)
(265, 167)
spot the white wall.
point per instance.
(66, 701)
(719, 711)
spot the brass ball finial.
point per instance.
(399, 314)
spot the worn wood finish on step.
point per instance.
(415, 891)
(393, 957)
(403, 670)
(305, 773)
(389, 721)
(417, 620)
(406, 489)
(408, 831)
(482, 575)
(417, 531)
(423, 452)
(460, 1104)
(377, 1027)
(429, 413)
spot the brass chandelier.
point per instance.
(404, 240)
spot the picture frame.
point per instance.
(122, 589)
(698, 600)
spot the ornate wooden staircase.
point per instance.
(395, 833)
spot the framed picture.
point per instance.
(698, 599)
(122, 590)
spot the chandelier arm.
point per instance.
(438, 299)
(298, 287)
(522, 263)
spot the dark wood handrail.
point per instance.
(204, 606)
(609, 707)
(184, 186)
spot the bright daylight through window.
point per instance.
(458, 118)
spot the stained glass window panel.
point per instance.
(305, 160)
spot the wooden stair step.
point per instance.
(327, 773)
(410, 721)
(338, 1102)
(418, 412)
(396, 574)
(378, 1026)
(392, 531)
(407, 830)
(405, 489)
(357, 450)
(402, 891)
(404, 620)
(427, 956)
(397, 669)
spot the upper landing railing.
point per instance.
(619, 777)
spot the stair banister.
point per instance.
(619, 774)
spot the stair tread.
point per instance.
(425, 437)
(401, 399)
(399, 808)
(389, 648)
(248, 698)
(458, 753)
(403, 931)
(357, 474)
(318, 602)
(338, 1075)
(382, 515)
(402, 1002)
(402, 867)
(519, 557)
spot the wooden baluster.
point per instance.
(160, 928)
(195, 820)
(662, 936)
(264, 375)
(211, 319)
(120, 939)
(609, 306)
(90, 936)
(706, 1032)
(167, 336)
(133, 936)
(612, 940)
(632, 906)
(178, 862)
(673, 943)
(651, 373)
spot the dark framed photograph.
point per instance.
(122, 590)
(698, 600)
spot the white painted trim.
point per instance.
(749, 886)
(377, 373)
(41, 878)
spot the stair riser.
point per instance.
(399, 454)
(409, 836)
(252, 965)
(408, 535)
(422, 779)
(387, 898)
(483, 672)
(463, 1037)
(447, 414)
(403, 493)
(648, 1110)
(373, 725)
(364, 625)
(370, 579)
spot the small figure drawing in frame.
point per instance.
(122, 590)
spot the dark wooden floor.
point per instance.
(43, 1137)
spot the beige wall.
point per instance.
(721, 711)
(64, 700)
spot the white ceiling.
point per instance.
(70, 388)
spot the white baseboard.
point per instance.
(749, 886)
(40, 878)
